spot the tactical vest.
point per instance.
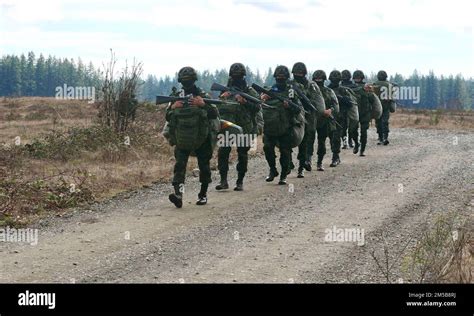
(277, 119)
(238, 114)
(189, 126)
(363, 100)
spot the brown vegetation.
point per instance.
(433, 119)
(49, 146)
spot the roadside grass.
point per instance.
(433, 119)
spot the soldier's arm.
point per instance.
(334, 106)
(352, 95)
(251, 106)
(295, 110)
(317, 98)
(169, 108)
(212, 111)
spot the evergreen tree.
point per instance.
(28, 82)
(40, 77)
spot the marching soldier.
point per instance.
(349, 115)
(190, 129)
(388, 105)
(366, 101)
(278, 120)
(312, 91)
(327, 128)
(244, 115)
(347, 82)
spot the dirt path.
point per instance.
(264, 234)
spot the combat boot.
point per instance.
(202, 196)
(239, 185)
(307, 164)
(344, 142)
(380, 142)
(320, 163)
(335, 161)
(177, 197)
(351, 144)
(202, 199)
(282, 180)
(271, 176)
(300, 172)
(385, 140)
(292, 166)
(224, 185)
(362, 150)
(356, 146)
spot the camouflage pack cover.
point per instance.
(189, 127)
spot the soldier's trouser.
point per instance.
(310, 145)
(383, 122)
(364, 126)
(269, 144)
(308, 139)
(223, 160)
(342, 119)
(203, 155)
(353, 127)
(334, 140)
(352, 122)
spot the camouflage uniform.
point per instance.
(327, 128)
(383, 123)
(187, 76)
(284, 141)
(347, 82)
(312, 91)
(247, 114)
(348, 112)
(366, 101)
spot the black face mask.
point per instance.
(300, 79)
(281, 83)
(320, 83)
(239, 82)
(334, 83)
(187, 85)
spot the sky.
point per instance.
(397, 36)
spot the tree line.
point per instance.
(451, 92)
(30, 76)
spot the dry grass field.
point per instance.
(53, 154)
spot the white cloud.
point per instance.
(325, 35)
(30, 11)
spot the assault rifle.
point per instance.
(234, 90)
(160, 99)
(274, 95)
(308, 106)
(308, 102)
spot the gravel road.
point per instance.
(268, 233)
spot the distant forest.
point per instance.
(39, 76)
